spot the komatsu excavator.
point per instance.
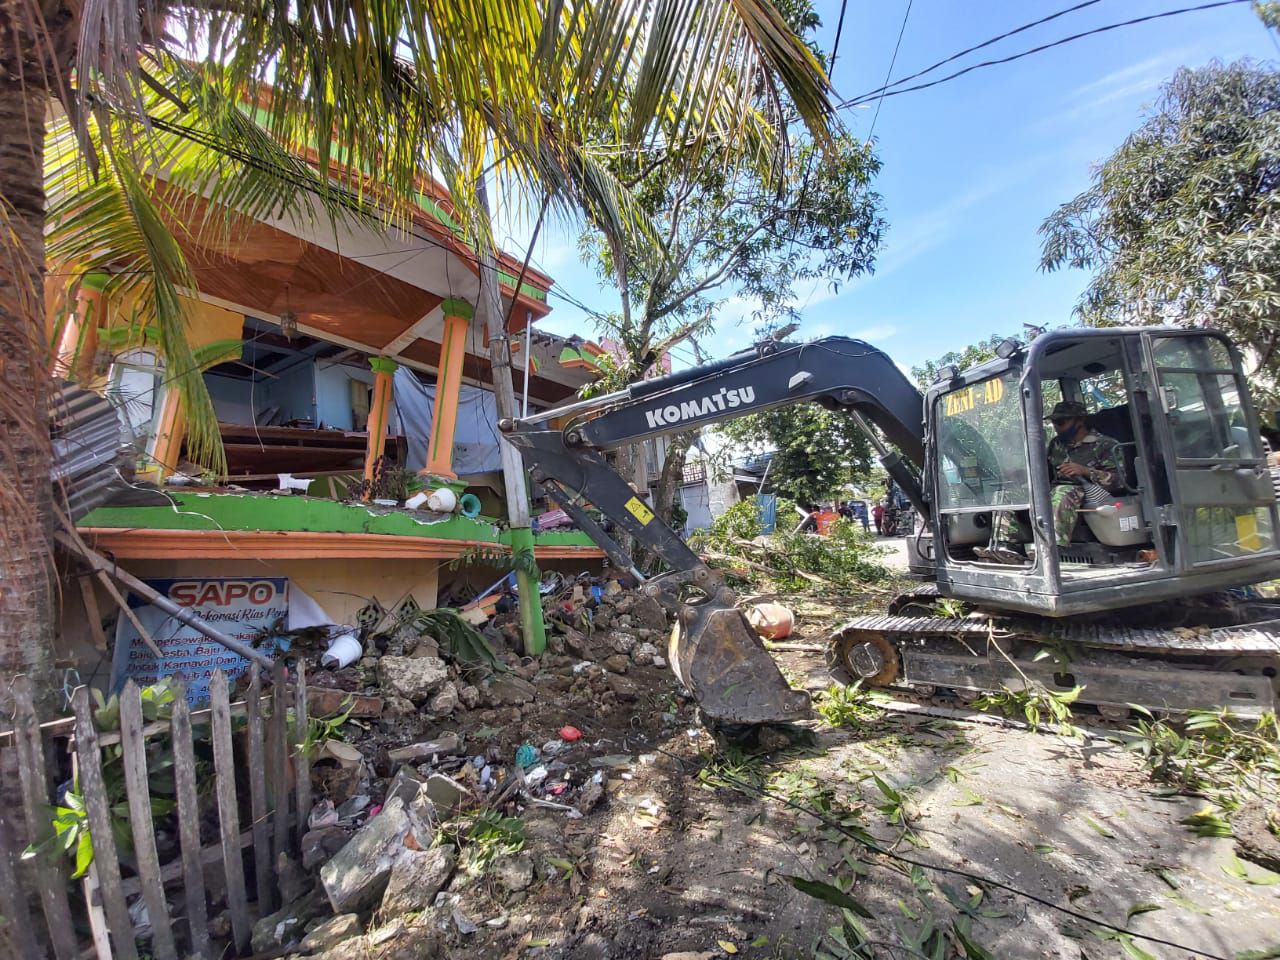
(1138, 608)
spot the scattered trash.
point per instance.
(772, 621)
(526, 756)
(343, 651)
(571, 734)
(464, 923)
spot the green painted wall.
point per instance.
(256, 511)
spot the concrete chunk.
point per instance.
(416, 877)
(414, 678)
(356, 876)
(448, 745)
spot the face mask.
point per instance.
(1065, 428)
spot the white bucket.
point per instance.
(343, 651)
(443, 500)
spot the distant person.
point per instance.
(877, 514)
(859, 509)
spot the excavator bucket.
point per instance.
(719, 658)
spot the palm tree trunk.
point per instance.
(26, 496)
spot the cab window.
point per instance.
(982, 436)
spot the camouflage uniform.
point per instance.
(1095, 451)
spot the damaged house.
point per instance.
(349, 372)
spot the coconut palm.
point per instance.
(527, 93)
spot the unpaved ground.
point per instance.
(690, 851)
(674, 863)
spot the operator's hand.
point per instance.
(1070, 469)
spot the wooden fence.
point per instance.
(261, 758)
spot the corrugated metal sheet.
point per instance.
(88, 447)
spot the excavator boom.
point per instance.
(713, 650)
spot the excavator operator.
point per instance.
(1076, 454)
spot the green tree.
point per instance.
(522, 92)
(970, 356)
(1180, 223)
(815, 452)
(753, 228)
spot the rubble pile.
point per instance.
(424, 794)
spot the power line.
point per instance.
(888, 73)
(886, 92)
(980, 46)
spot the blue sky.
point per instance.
(970, 168)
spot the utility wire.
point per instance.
(884, 92)
(980, 46)
(888, 73)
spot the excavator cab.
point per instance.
(1193, 509)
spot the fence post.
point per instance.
(105, 856)
(144, 838)
(228, 815)
(184, 781)
(301, 762)
(13, 899)
(35, 807)
(279, 762)
(258, 794)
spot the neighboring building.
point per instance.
(333, 355)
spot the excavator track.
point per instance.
(1165, 669)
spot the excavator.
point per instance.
(1144, 605)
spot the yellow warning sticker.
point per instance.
(639, 509)
(1247, 532)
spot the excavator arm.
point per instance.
(713, 649)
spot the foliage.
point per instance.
(1213, 754)
(457, 638)
(1178, 223)
(796, 562)
(1035, 704)
(849, 706)
(320, 730)
(69, 823)
(815, 451)
(490, 835)
(970, 356)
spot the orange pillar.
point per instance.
(444, 416)
(379, 410)
(171, 427)
(73, 357)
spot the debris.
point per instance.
(526, 756)
(515, 873)
(470, 696)
(445, 792)
(319, 845)
(343, 651)
(644, 654)
(323, 815)
(344, 753)
(535, 776)
(511, 691)
(446, 701)
(405, 784)
(772, 621)
(327, 702)
(352, 807)
(356, 877)
(591, 796)
(448, 745)
(570, 734)
(331, 932)
(618, 663)
(414, 678)
(287, 923)
(416, 877)
(464, 923)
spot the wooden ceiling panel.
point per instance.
(271, 271)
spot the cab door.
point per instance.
(1223, 502)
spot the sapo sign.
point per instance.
(240, 607)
